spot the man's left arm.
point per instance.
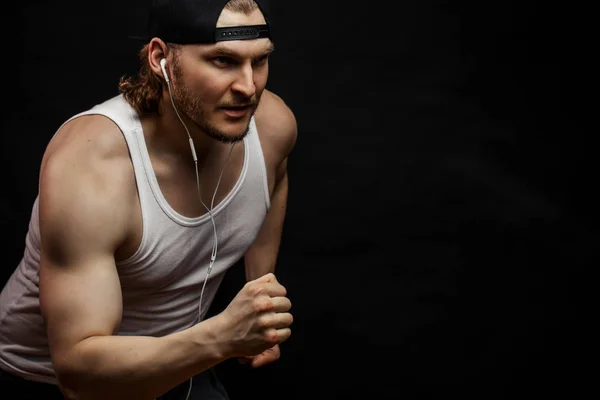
(279, 130)
(278, 133)
(261, 257)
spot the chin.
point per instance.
(227, 132)
(237, 135)
(234, 127)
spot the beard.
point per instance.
(196, 110)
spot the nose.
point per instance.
(244, 83)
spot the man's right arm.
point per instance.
(84, 216)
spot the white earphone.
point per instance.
(163, 62)
(213, 257)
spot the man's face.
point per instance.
(218, 86)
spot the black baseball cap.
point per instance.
(195, 21)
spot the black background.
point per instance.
(441, 208)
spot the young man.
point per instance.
(145, 201)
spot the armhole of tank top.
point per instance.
(140, 175)
(142, 187)
(263, 166)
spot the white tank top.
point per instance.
(162, 281)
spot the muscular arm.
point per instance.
(84, 216)
(278, 129)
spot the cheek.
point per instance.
(208, 89)
(261, 76)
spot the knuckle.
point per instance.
(256, 305)
(255, 290)
(271, 336)
(262, 304)
(263, 322)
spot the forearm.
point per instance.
(136, 367)
(256, 268)
(261, 258)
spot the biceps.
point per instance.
(82, 221)
(79, 300)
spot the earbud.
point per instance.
(163, 62)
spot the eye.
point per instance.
(261, 60)
(223, 61)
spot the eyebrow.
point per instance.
(229, 53)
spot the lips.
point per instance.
(236, 112)
(237, 107)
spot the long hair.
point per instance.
(144, 91)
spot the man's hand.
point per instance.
(256, 320)
(266, 357)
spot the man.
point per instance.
(145, 201)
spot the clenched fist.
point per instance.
(257, 318)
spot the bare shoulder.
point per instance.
(86, 176)
(89, 137)
(90, 146)
(276, 124)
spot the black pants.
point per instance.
(15, 387)
(205, 386)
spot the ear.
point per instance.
(157, 50)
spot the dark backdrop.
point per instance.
(440, 207)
